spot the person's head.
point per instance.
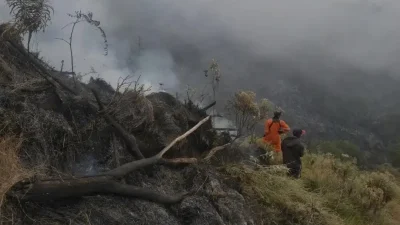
(277, 114)
(298, 132)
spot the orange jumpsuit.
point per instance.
(272, 135)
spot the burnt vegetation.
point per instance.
(90, 153)
(51, 124)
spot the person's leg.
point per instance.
(277, 158)
(295, 172)
(262, 158)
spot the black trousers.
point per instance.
(295, 172)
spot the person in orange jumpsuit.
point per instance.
(273, 128)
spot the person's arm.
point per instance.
(284, 126)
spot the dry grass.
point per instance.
(360, 197)
(274, 158)
(331, 192)
(11, 170)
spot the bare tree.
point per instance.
(82, 17)
(30, 16)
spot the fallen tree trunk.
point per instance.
(105, 183)
(46, 190)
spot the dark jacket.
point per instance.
(292, 151)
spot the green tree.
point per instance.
(30, 16)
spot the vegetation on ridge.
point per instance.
(332, 191)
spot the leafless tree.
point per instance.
(78, 18)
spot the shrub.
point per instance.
(278, 199)
(246, 112)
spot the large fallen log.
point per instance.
(105, 183)
(45, 190)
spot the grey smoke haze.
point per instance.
(180, 37)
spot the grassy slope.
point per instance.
(331, 191)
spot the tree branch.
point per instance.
(212, 152)
(209, 106)
(178, 161)
(61, 39)
(132, 166)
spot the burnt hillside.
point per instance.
(76, 152)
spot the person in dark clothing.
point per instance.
(292, 151)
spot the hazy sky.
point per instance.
(179, 37)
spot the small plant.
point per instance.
(82, 17)
(30, 16)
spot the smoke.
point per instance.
(258, 40)
(157, 68)
(358, 32)
(87, 166)
(179, 38)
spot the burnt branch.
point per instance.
(212, 152)
(135, 165)
(178, 161)
(209, 106)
